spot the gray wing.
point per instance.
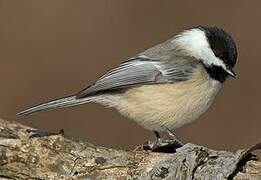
(140, 70)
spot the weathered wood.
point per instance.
(59, 157)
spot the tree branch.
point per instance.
(57, 157)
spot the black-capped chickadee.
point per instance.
(166, 86)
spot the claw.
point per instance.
(162, 145)
(39, 133)
(159, 145)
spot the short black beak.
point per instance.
(231, 72)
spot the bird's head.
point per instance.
(212, 46)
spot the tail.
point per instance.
(55, 104)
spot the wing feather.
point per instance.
(139, 70)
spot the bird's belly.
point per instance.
(167, 105)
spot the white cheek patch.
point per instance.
(209, 58)
(195, 42)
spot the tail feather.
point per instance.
(55, 104)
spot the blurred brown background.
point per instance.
(52, 48)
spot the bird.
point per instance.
(166, 86)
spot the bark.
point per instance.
(23, 156)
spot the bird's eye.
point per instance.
(218, 53)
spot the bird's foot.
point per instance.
(160, 145)
(40, 133)
(175, 138)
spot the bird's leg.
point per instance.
(40, 133)
(174, 137)
(157, 134)
(160, 144)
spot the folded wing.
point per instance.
(140, 70)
